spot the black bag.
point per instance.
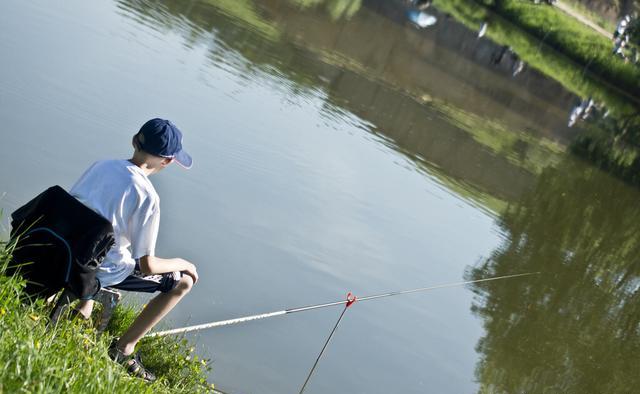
(59, 243)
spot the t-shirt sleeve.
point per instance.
(143, 229)
(81, 180)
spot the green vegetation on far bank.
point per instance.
(558, 46)
(72, 358)
(577, 41)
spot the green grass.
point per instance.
(71, 358)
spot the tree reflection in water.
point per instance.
(576, 327)
(338, 9)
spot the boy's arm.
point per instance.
(150, 265)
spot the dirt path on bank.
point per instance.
(575, 14)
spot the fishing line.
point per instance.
(325, 305)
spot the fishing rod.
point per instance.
(347, 302)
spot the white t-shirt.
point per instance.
(121, 192)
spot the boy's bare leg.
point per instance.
(155, 310)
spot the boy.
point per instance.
(120, 191)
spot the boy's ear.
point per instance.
(166, 161)
(135, 142)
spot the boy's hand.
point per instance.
(192, 272)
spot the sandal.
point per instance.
(131, 362)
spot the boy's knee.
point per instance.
(184, 285)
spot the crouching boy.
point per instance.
(120, 191)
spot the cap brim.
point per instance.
(183, 159)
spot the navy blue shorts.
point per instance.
(137, 281)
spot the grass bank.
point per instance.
(558, 46)
(72, 358)
(571, 37)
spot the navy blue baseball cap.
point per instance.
(160, 137)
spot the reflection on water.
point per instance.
(611, 143)
(576, 327)
(427, 93)
(337, 9)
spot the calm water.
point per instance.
(340, 148)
